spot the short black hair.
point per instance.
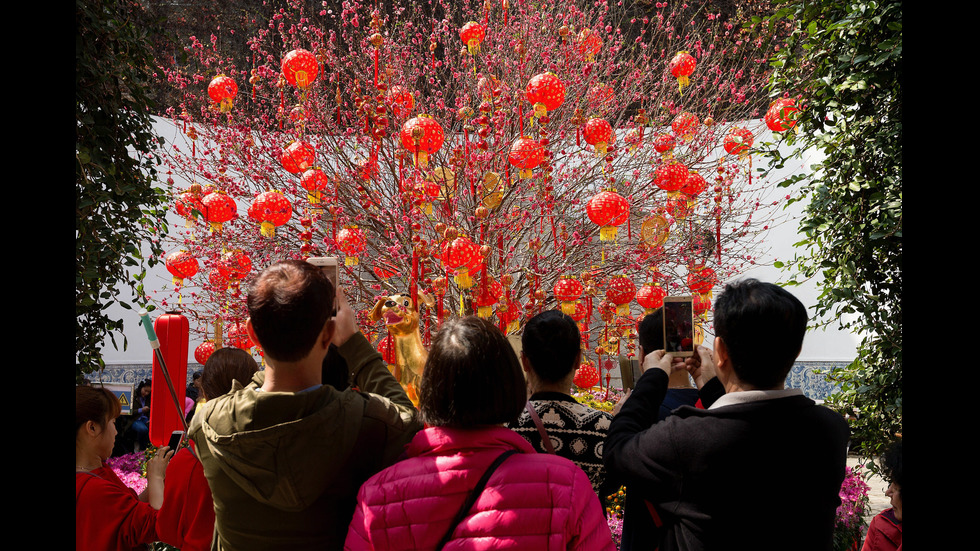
(551, 342)
(472, 377)
(650, 331)
(891, 464)
(762, 326)
(289, 303)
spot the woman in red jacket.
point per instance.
(108, 514)
(471, 386)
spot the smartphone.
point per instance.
(175, 438)
(679, 326)
(329, 266)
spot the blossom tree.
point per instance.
(500, 157)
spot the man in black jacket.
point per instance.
(761, 468)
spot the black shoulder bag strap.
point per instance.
(545, 440)
(471, 499)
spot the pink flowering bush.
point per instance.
(850, 524)
(130, 468)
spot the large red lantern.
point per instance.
(599, 134)
(620, 292)
(218, 209)
(685, 125)
(682, 66)
(526, 154)
(298, 157)
(270, 209)
(608, 209)
(300, 68)
(460, 254)
(222, 91)
(694, 185)
(701, 280)
(400, 100)
(181, 265)
(422, 136)
(651, 296)
(738, 141)
(472, 35)
(782, 115)
(586, 376)
(546, 92)
(486, 293)
(352, 241)
(173, 333)
(315, 182)
(568, 290)
(670, 177)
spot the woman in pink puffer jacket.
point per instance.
(472, 384)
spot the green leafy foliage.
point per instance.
(117, 208)
(844, 64)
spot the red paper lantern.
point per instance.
(738, 141)
(685, 125)
(681, 66)
(234, 265)
(589, 43)
(300, 68)
(600, 97)
(486, 293)
(422, 136)
(315, 182)
(238, 336)
(352, 241)
(460, 254)
(217, 279)
(188, 202)
(664, 143)
(568, 290)
(608, 209)
(270, 209)
(181, 265)
(586, 376)
(173, 332)
(620, 292)
(203, 352)
(670, 177)
(526, 154)
(298, 157)
(400, 100)
(651, 296)
(222, 91)
(782, 115)
(599, 134)
(701, 280)
(694, 185)
(218, 209)
(701, 304)
(472, 35)
(546, 92)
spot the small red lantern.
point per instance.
(664, 143)
(270, 209)
(546, 92)
(738, 141)
(670, 177)
(315, 182)
(701, 304)
(218, 209)
(568, 290)
(681, 67)
(702, 280)
(298, 157)
(222, 91)
(589, 43)
(422, 136)
(651, 296)
(599, 134)
(352, 241)
(508, 313)
(181, 265)
(300, 68)
(238, 336)
(486, 293)
(782, 115)
(586, 376)
(217, 279)
(460, 254)
(472, 35)
(620, 292)
(188, 202)
(694, 185)
(685, 125)
(608, 209)
(526, 154)
(400, 100)
(203, 352)
(234, 266)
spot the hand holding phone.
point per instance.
(175, 439)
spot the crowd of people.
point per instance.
(323, 449)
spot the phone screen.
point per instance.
(678, 325)
(175, 438)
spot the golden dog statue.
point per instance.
(401, 317)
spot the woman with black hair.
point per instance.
(885, 531)
(141, 414)
(471, 386)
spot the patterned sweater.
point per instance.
(576, 432)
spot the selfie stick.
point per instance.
(155, 345)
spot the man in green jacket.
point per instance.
(286, 455)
